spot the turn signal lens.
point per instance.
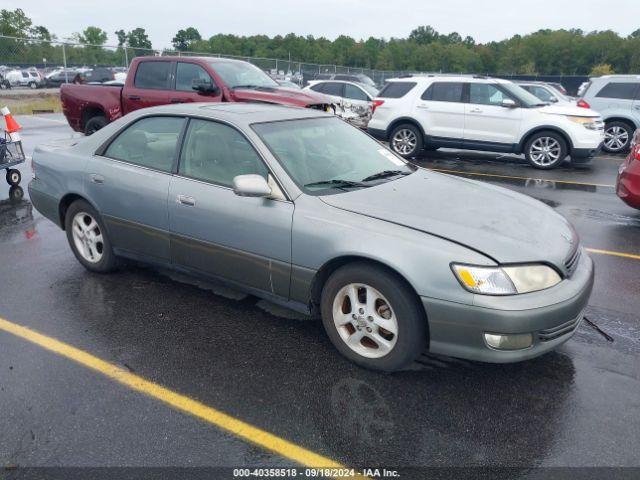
(484, 280)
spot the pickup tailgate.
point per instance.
(80, 102)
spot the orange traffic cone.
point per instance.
(12, 125)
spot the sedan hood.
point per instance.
(503, 225)
(280, 95)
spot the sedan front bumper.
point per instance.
(551, 316)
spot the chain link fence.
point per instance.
(49, 56)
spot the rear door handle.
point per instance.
(475, 110)
(637, 107)
(425, 107)
(95, 178)
(134, 97)
(176, 100)
(187, 200)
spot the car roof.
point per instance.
(428, 78)
(193, 57)
(240, 113)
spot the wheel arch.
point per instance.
(89, 112)
(621, 118)
(545, 128)
(66, 201)
(401, 120)
(326, 270)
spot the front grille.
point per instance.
(557, 332)
(571, 263)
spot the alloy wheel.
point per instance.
(365, 320)
(404, 141)
(87, 237)
(616, 138)
(545, 151)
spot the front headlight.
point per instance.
(508, 280)
(592, 123)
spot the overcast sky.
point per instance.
(484, 20)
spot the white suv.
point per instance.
(479, 113)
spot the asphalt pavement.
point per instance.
(276, 372)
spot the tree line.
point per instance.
(545, 52)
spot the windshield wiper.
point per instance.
(385, 174)
(337, 183)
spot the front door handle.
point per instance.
(187, 200)
(176, 100)
(134, 97)
(425, 107)
(95, 178)
(475, 110)
(637, 107)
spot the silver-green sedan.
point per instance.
(296, 206)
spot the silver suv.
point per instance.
(617, 99)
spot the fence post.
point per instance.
(64, 62)
(277, 66)
(126, 57)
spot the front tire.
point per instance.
(545, 150)
(94, 124)
(88, 238)
(617, 137)
(373, 318)
(406, 140)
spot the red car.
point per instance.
(161, 80)
(628, 182)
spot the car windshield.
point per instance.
(242, 74)
(526, 99)
(327, 155)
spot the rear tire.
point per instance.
(94, 124)
(363, 330)
(545, 150)
(618, 136)
(406, 140)
(88, 238)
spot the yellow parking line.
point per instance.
(210, 415)
(615, 254)
(444, 170)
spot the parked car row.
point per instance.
(34, 78)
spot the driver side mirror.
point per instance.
(204, 86)
(508, 103)
(553, 100)
(251, 186)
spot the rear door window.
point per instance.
(444, 92)
(150, 142)
(396, 89)
(154, 75)
(619, 90)
(318, 87)
(333, 88)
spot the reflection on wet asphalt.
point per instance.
(576, 406)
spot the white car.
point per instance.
(479, 113)
(354, 99)
(547, 93)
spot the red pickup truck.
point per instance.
(161, 80)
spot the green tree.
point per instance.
(137, 38)
(601, 69)
(184, 39)
(15, 23)
(92, 36)
(122, 37)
